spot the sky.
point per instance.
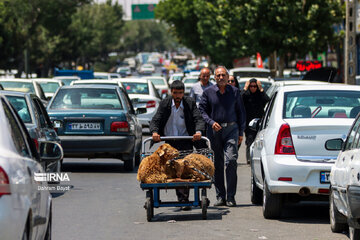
(127, 5)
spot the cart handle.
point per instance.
(174, 138)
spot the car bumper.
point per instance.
(302, 174)
(353, 196)
(100, 146)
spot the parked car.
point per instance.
(144, 97)
(344, 181)
(96, 121)
(26, 211)
(36, 119)
(249, 72)
(25, 85)
(160, 84)
(147, 69)
(114, 75)
(289, 160)
(49, 86)
(67, 79)
(189, 83)
(176, 76)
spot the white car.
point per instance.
(147, 69)
(124, 71)
(344, 180)
(102, 75)
(67, 79)
(189, 83)
(249, 72)
(275, 85)
(160, 84)
(49, 86)
(144, 97)
(24, 202)
(288, 155)
(176, 76)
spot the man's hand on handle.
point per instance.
(156, 137)
(196, 136)
(240, 139)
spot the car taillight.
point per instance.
(150, 104)
(164, 91)
(284, 143)
(4, 183)
(119, 127)
(36, 144)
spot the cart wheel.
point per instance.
(204, 203)
(149, 206)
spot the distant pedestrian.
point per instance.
(203, 83)
(222, 108)
(233, 81)
(255, 100)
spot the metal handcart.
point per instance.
(153, 189)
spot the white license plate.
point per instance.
(324, 177)
(85, 126)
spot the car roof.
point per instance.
(327, 86)
(136, 80)
(250, 69)
(17, 80)
(90, 86)
(154, 77)
(16, 93)
(47, 80)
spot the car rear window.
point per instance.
(321, 104)
(19, 103)
(86, 98)
(19, 86)
(136, 88)
(49, 87)
(191, 80)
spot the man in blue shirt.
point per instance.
(199, 87)
(222, 108)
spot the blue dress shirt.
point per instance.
(223, 108)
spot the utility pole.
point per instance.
(350, 42)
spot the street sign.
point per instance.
(143, 11)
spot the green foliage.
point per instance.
(229, 29)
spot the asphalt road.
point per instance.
(107, 203)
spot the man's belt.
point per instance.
(224, 125)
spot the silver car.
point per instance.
(24, 202)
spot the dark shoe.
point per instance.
(220, 202)
(231, 203)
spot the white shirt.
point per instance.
(175, 126)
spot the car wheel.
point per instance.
(272, 203)
(129, 164)
(255, 192)
(49, 227)
(354, 233)
(337, 220)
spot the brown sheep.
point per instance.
(152, 168)
(184, 168)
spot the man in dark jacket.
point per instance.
(178, 115)
(254, 99)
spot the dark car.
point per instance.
(96, 121)
(37, 121)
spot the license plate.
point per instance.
(324, 177)
(85, 126)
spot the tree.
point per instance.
(229, 29)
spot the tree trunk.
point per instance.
(272, 64)
(281, 65)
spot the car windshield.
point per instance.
(321, 104)
(191, 80)
(19, 86)
(19, 103)
(67, 81)
(86, 98)
(101, 77)
(49, 87)
(265, 85)
(147, 66)
(157, 81)
(136, 88)
(177, 78)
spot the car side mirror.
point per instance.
(254, 124)
(50, 151)
(335, 144)
(140, 111)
